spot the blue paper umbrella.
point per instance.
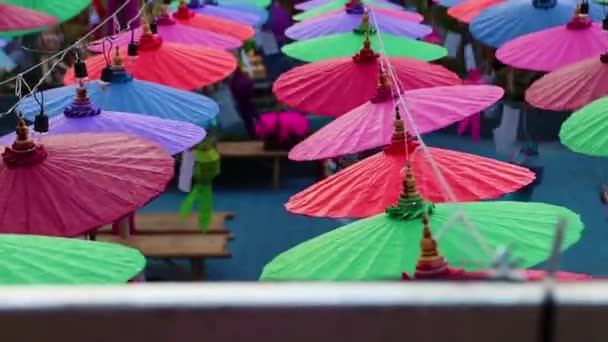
(133, 97)
(250, 13)
(450, 3)
(514, 18)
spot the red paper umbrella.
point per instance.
(185, 16)
(71, 184)
(371, 124)
(572, 86)
(370, 186)
(467, 10)
(335, 86)
(180, 66)
(14, 18)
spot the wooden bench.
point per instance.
(195, 247)
(254, 149)
(171, 223)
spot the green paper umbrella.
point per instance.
(62, 9)
(259, 3)
(585, 131)
(33, 260)
(383, 246)
(347, 44)
(337, 4)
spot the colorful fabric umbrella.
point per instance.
(383, 246)
(509, 20)
(572, 86)
(43, 260)
(344, 22)
(81, 181)
(81, 116)
(352, 192)
(213, 9)
(371, 124)
(14, 18)
(175, 65)
(312, 4)
(339, 5)
(258, 11)
(124, 94)
(185, 16)
(258, 3)
(172, 32)
(467, 10)
(585, 131)
(335, 86)
(347, 44)
(556, 47)
(394, 13)
(61, 9)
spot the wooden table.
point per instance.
(171, 223)
(254, 149)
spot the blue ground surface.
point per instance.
(263, 228)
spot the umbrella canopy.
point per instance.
(258, 11)
(214, 10)
(383, 246)
(467, 10)
(172, 32)
(371, 124)
(176, 65)
(572, 86)
(395, 13)
(344, 22)
(15, 18)
(335, 86)
(556, 47)
(347, 44)
(258, 3)
(311, 4)
(61, 9)
(124, 94)
(43, 260)
(352, 192)
(185, 16)
(82, 116)
(509, 20)
(340, 5)
(82, 181)
(585, 131)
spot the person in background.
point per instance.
(49, 43)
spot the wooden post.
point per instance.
(124, 227)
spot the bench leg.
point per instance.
(197, 268)
(276, 173)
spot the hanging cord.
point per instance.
(446, 189)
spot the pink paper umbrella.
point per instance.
(15, 18)
(335, 86)
(172, 32)
(67, 185)
(371, 124)
(551, 49)
(572, 86)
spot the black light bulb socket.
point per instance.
(107, 74)
(154, 27)
(41, 123)
(166, 2)
(584, 8)
(80, 69)
(132, 49)
(605, 24)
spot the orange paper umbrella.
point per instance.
(370, 186)
(185, 16)
(572, 86)
(335, 86)
(15, 18)
(185, 67)
(467, 10)
(70, 184)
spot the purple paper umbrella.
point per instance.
(173, 32)
(209, 8)
(81, 116)
(356, 18)
(312, 4)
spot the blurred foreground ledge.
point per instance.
(316, 312)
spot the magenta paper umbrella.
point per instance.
(551, 49)
(312, 4)
(371, 125)
(572, 86)
(333, 87)
(346, 21)
(70, 184)
(172, 32)
(82, 117)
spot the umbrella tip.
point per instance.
(183, 12)
(366, 54)
(81, 106)
(384, 91)
(581, 18)
(364, 26)
(354, 7)
(401, 139)
(23, 139)
(148, 40)
(23, 151)
(431, 262)
(410, 205)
